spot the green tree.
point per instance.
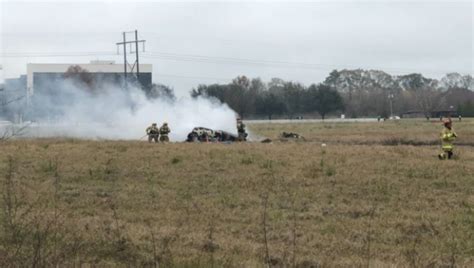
(239, 96)
(323, 99)
(158, 91)
(269, 104)
(466, 109)
(293, 94)
(332, 78)
(217, 91)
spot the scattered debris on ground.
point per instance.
(289, 136)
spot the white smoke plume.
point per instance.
(70, 110)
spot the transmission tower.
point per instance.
(135, 67)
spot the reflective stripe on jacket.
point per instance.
(152, 130)
(164, 130)
(447, 137)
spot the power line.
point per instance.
(273, 63)
(54, 54)
(224, 60)
(212, 59)
(230, 62)
(194, 77)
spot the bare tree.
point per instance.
(428, 99)
(8, 105)
(12, 131)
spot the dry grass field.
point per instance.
(369, 198)
(404, 132)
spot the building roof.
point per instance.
(93, 67)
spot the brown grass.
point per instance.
(107, 203)
(407, 131)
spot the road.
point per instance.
(294, 121)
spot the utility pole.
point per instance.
(135, 64)
(124, 58)
(136, 55)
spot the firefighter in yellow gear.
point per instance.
(242, 134)
(164, 131)
(153, 133)
(447, 137)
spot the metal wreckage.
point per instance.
(288, 136)
(202, 134)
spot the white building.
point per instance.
(40, 72)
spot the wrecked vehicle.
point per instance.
(202, 134)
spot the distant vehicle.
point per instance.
(394, 118)
(202, 134)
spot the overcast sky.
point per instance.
(203, 42)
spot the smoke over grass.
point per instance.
(71, 109)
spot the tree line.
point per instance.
(277, 98)
(347, 92)
(356, 93)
